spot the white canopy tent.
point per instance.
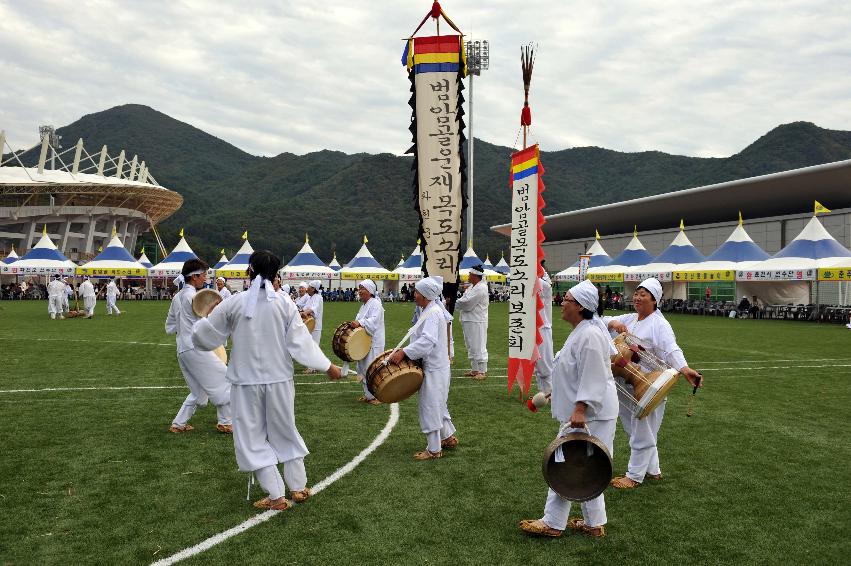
(43, 259)
(113, 261)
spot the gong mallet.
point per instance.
(691, 399)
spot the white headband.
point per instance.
(476, 271)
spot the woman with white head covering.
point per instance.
(302, 295)
(583, 394)
(222, 288)
(267, 334)
(371, 318)
(648, 324)
(429, 342)
(55, 292)
(313, 306)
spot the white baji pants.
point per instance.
(204, 373)
(557, 509)
(111, 306)
(265, 434)
(54, 305)
(435, 420)
(642, 433)
(89, 305)
(544, 365)
(363, 365)
(476, 341)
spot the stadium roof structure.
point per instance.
(776, 194)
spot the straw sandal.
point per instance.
(470, 373)
(623, 482)
(654, 477)
(224, 428)
(301, 496)
(426, 455)
(480, 376)
(579, 526)
(280, 504)
(179, 429)
(450, 442)
(538, 528)
(373, 402)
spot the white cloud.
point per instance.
(701, 78)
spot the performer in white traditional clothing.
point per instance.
(371, 318)
(648, 324)
(203, 371)
(473, 306)
(302, 295)
(66, 298)
(112, 292)
(429, 342)
(222, 288)
(55, 297)
(313, 306)
(87, 291)
(583, 394)
(544, 365)
(267, 334)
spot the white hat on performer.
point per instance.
(653, 287)
(586, 295)
(285, 288)
(316, 284)
(430, 287)
(222, 279)
(369, 285)
(303, 285)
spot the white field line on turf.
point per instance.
(263, 517)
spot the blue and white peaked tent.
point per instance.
(412, 268)
(172, 264)
(634, 254)
(307, 265)
(113, 261)
(43, 259)
(599, 258)
(739, 251)
(9, 259)
(237, 267)
(364, 266)
(143, 259)
(502, 266)
(680, 252)
(335, 265)
(223, 261)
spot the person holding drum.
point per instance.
(647, 324)
(222, 288)
(430, 343)
(473, 306)
(313, 307)
(302, 295)
(583, 396)
(203, 371)
(267, 334)
(371, 318)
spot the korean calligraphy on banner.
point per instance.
(584, 263)
(436, 66)
(526, 253)
(777, 275)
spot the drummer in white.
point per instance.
(583, 394)
(648, 324)
(112, 292)
(371, 318)
(313, 306)
(430, 343)
(267, 334)
(222, 288)
(302, 295)
(473, 306)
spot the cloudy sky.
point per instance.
(701, 77)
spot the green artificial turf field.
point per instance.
(89, 473)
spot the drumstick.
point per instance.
(691, 400)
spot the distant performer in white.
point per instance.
(313, 307)
(648, 324)
(55, 297)
(66, 298)
(544, 365)
(371, 318)
(222, 288)
(263, 322)
(203, 371)
(430, 343)
(473, 306)
(112, 292)
(302, 295)
(87, 291)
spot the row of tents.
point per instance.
(813, 256)
(115, 261)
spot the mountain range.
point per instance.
(337, 198)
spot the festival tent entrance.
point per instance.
(172, 264)
(364, 266)
(738, 252)
(789, 275)
(306, 265)
(634, 254)
(680, 252)
(43, 259)
(113, 261)
(599, 258)
(237, 267)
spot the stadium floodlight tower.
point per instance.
(478, 60)
(53, 140)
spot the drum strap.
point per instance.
(429, 311)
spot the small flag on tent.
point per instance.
(114, 231)
(596, 234)
(100, 248)
(245, 235)
(222, 252)
(635, 230)
(180, 233)
(819, 207)
(740, 218)
(306, 238)
(365, 241)
(44, 230)
(682, 224)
